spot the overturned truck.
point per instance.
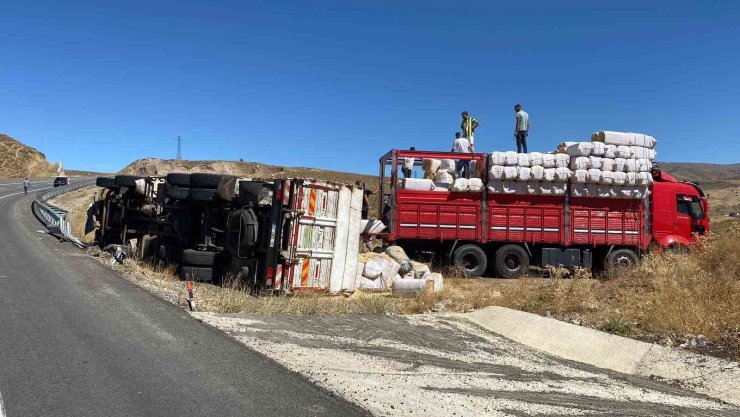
(273, 235)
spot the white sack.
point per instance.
(594, 176)
(496, 172)
(430, 165)
(612, 138)
(561, 160)
(620, 178)
(512, 158)
(606, 191)
(397, 253)
(548, 160)
(598, 149)
(619, 164)
(610, 151)
(498, 158)
(495, 186)
(513, 187)
(444, 177)
(373, 268)
(535, 158)
(549, 174)
(638, 152)
(631, 178)
(595, 162)
(607, 177)
(532, 187)
(581, 162)
(523, 160)
(408, 286)
(461, 185)
(546, 188)
(643, 178)
(646, 141)
(559, 188)
(562, 174)
(607, 164)
(441, 186)
(437, 279)
(511, 173)
(644, 165)
(624, 152)
(630, 165)
(579, 149)
(447, 165)
(578, 190)
(475, 184)
(525, 174)
(418, 184)
(538, 173)
(580, 176)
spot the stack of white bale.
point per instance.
(393, 270)
(529, 173)
(612, 165)
(439, 175)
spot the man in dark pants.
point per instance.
(26, 186)
(408, 165)
(521, 129)
(365, 199)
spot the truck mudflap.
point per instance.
(323, 227)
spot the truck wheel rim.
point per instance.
(512, 261)
(469, 262)
(623, 262)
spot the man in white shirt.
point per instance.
(462, 145)
(521, 129)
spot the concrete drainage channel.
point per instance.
(54, 217)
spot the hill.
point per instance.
(18, 160)
(701, 172)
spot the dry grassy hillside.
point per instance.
(18, 160)
(701, 172)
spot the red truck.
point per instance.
(505, 234)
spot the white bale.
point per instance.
(563, 147)
(461, 185)
(496, 172)
(606, 191)
(625, 191)
(437, 279)
(562, 174)
(441, 186)
(620, 178)
(513, 187)
(598, 149)
(579, 149)
(444, 177)
(561, 160)
(523, 160)
(630, 165)
(418, 184)
(578, 190)
(596, 162)
(612, 138)
(525, 174)
(538, 172)
(631, 178)
(548, 160)
(559, 188)
(594, 176)
(397, 253)
(639, 152)
(610, 151)
(408, 286)
(532, 187)
(644, 165)
(498, 158)
(430, 165)
(535, 158)
(419, 269)
(580, 176)
(607, 177)
(581, 162)
(619, 164)
(511, 173)
(373, 267)
(475, 184)
(641, 139)
(624, 152)
(549, 174)
(546, 188)
(495, 186)
(511, 158)
(607, 164)
(447, 165)
(643, 178)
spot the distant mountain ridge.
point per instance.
(702, 172)
(18, 160)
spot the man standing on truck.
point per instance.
(468, 126)
(462, 145)
(408, 165)
(521, 129)
(26, 186)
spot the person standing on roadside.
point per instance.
(462, 145)
(468, 126)
(26, 186)
(521, 129)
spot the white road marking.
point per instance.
(21, 192)
(2, 407)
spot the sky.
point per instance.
(336, 84)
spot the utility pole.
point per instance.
(179, 148)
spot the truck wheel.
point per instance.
(177, 193)
(620, 259)
(205, 180)
(196, 273)
(472, 259)
(198, 257)
(127, 180)
(202, 194)
(106, 182)
(178, 179)
(171, 254)
(512, 261)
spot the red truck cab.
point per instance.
(505, 234)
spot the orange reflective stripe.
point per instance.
(312, 203)
(304, 272)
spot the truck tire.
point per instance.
(196, 273)
(178, 179)
(198, 257)
(512, 261)
(620, 259)
(202, 194)
(472, 259)
(106, 182)
(127, 180)
(205, 180)
(177, 193)
(172, 254)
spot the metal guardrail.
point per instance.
(54, 217)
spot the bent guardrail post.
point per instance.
(54, 217)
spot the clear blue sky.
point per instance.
(336, 84)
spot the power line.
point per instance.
(179, 148)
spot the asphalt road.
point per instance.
(77, 340)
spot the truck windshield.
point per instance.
(691, 205)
